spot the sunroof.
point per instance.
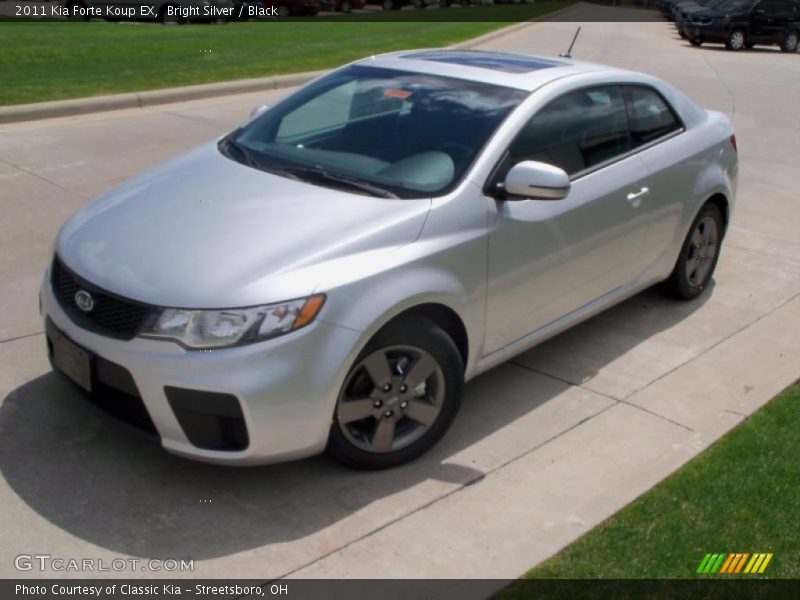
(496, 61)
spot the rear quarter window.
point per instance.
(650, 117)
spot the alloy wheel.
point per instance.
(702, 252)
(390, 399)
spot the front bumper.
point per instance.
(707, 32)
(286, 388)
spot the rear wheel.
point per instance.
(736, 40)
(789, 42)
(400, 397)
(699, 255)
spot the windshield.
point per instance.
(735, 6)
(376, 131)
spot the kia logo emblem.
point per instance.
(84, 301)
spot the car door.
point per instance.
(655, 128)
(548, 258)
(762, 22)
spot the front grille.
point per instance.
(111, 315)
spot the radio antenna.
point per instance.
(568, 53)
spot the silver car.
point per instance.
(328, 275)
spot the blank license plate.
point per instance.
(72, 360)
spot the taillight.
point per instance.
(733, 142)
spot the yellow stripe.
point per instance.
(728, 560)
(751, 563)
(741, 562)
(761, 558)
(765, 563)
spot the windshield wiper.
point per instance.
(227, 144)
(319, 175)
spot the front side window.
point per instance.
(736, 6)
(650, 117)
(376, 130)
(577, 131)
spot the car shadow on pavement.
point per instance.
(90, 476)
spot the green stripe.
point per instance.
(719, 563)
(710, 562)
(703, 564)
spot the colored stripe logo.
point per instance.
(731, 563)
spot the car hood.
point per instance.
(203, 231)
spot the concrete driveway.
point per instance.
(546, 446)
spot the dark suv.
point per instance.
(744, 23)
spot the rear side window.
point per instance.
(577, 131)
(649, 115)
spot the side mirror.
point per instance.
(258, 111)
(537, 180)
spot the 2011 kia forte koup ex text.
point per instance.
(328, 275)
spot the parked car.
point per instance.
(329, 274)
(166, 11)
(744, 23)
(294, 8)
(683, 11)
(345, 6)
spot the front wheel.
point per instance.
(789, 43)
(699, 255)
(736, 40)
(400, 397)
(696, 42)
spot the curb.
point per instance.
(82, 106)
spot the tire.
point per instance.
(372, 424)
(71, 6)
(736, 40)
(696, 42)
(699, 255)
(790, 41)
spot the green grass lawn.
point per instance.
(741, 495)
(56, 60)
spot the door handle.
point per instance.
(635, 198)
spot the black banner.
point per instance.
(401, 589)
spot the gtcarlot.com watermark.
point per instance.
(58, 564)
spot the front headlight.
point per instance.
(207, 329)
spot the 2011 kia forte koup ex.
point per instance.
(328, 275)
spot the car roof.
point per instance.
(519, 71)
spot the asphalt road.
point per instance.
(546, 446)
